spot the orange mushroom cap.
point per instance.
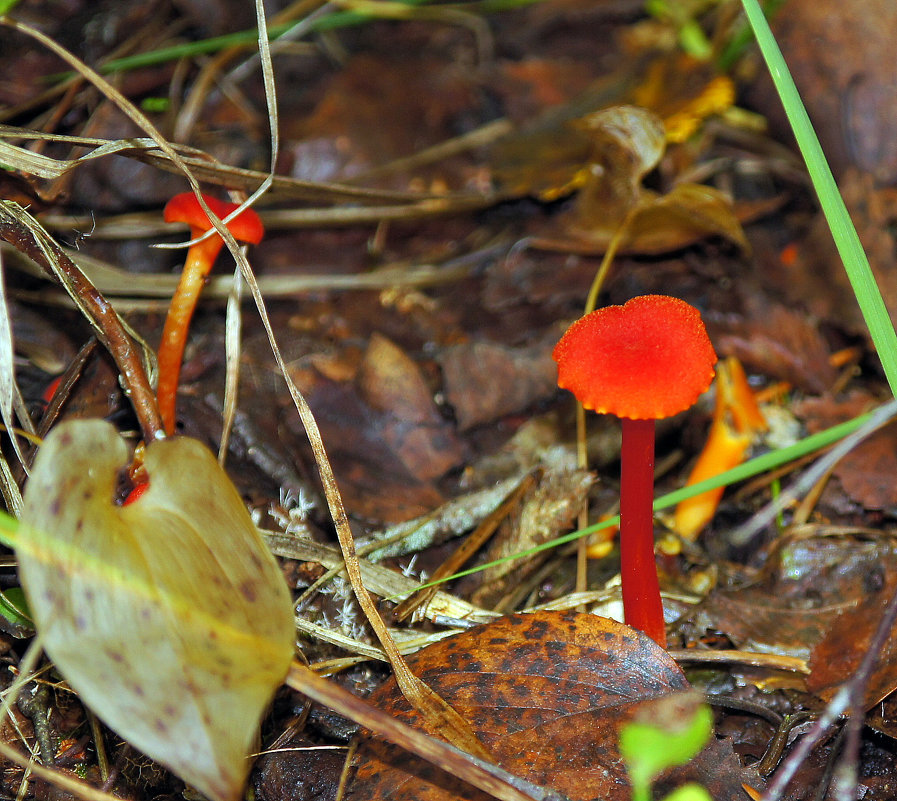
(246, 227)
(647, 359)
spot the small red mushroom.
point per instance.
(51, 389)
(136, 493)
(246, 227)
(648, 359)
(137, 475)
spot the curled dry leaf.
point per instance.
(621, 144)
(168, 615)
(606, 156)
(486, 380)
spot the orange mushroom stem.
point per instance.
(246, 227)
(737, 420)
(648, 359)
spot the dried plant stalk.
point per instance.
(25, 233)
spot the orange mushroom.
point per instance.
(648, 359)
(246, 227)
(737, 420)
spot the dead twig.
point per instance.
(489, 778)
(847, 700)
(24, 233)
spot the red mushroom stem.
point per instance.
(642, 607)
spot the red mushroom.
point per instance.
(246, 227)
(136, 493)
(648, 359)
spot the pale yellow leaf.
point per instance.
(168, 616)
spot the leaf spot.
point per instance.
(248, 590)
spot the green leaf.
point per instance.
(14, 607)
(664, 734)
(862, 280)
(155, 105)
(694, 41)
(689, 792)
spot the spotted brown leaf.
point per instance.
(547, 694)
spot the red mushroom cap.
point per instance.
(648, 359)
(247, 227)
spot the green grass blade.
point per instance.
(749, 469)
(324, 22)
(848, 243)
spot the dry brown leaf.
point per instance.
(546, 693)
(606, 156)
(411, 426)
(609, 151)
(781, 342)
(487, 380)
(806, 584)
(866, 473)
(836, 659)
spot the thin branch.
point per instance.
(25, 234)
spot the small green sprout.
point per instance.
(665, 734)
(14, 607)
(155, 104)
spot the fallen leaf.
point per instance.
(392, 385)
(545, 511)
(815, 279)
(547, 164)
(610, 151)
(168, 616)
(375, 482)
(628, 142)
(884, 717)
(687, 213)
(806, 583)
(606, 155)
(779, 342)
(866, 473)
(348, 134)
(534, 85)
(844, 68)
(836, 659)
(487, 380)
(299, 770)
(756, 621)
(547, 693)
